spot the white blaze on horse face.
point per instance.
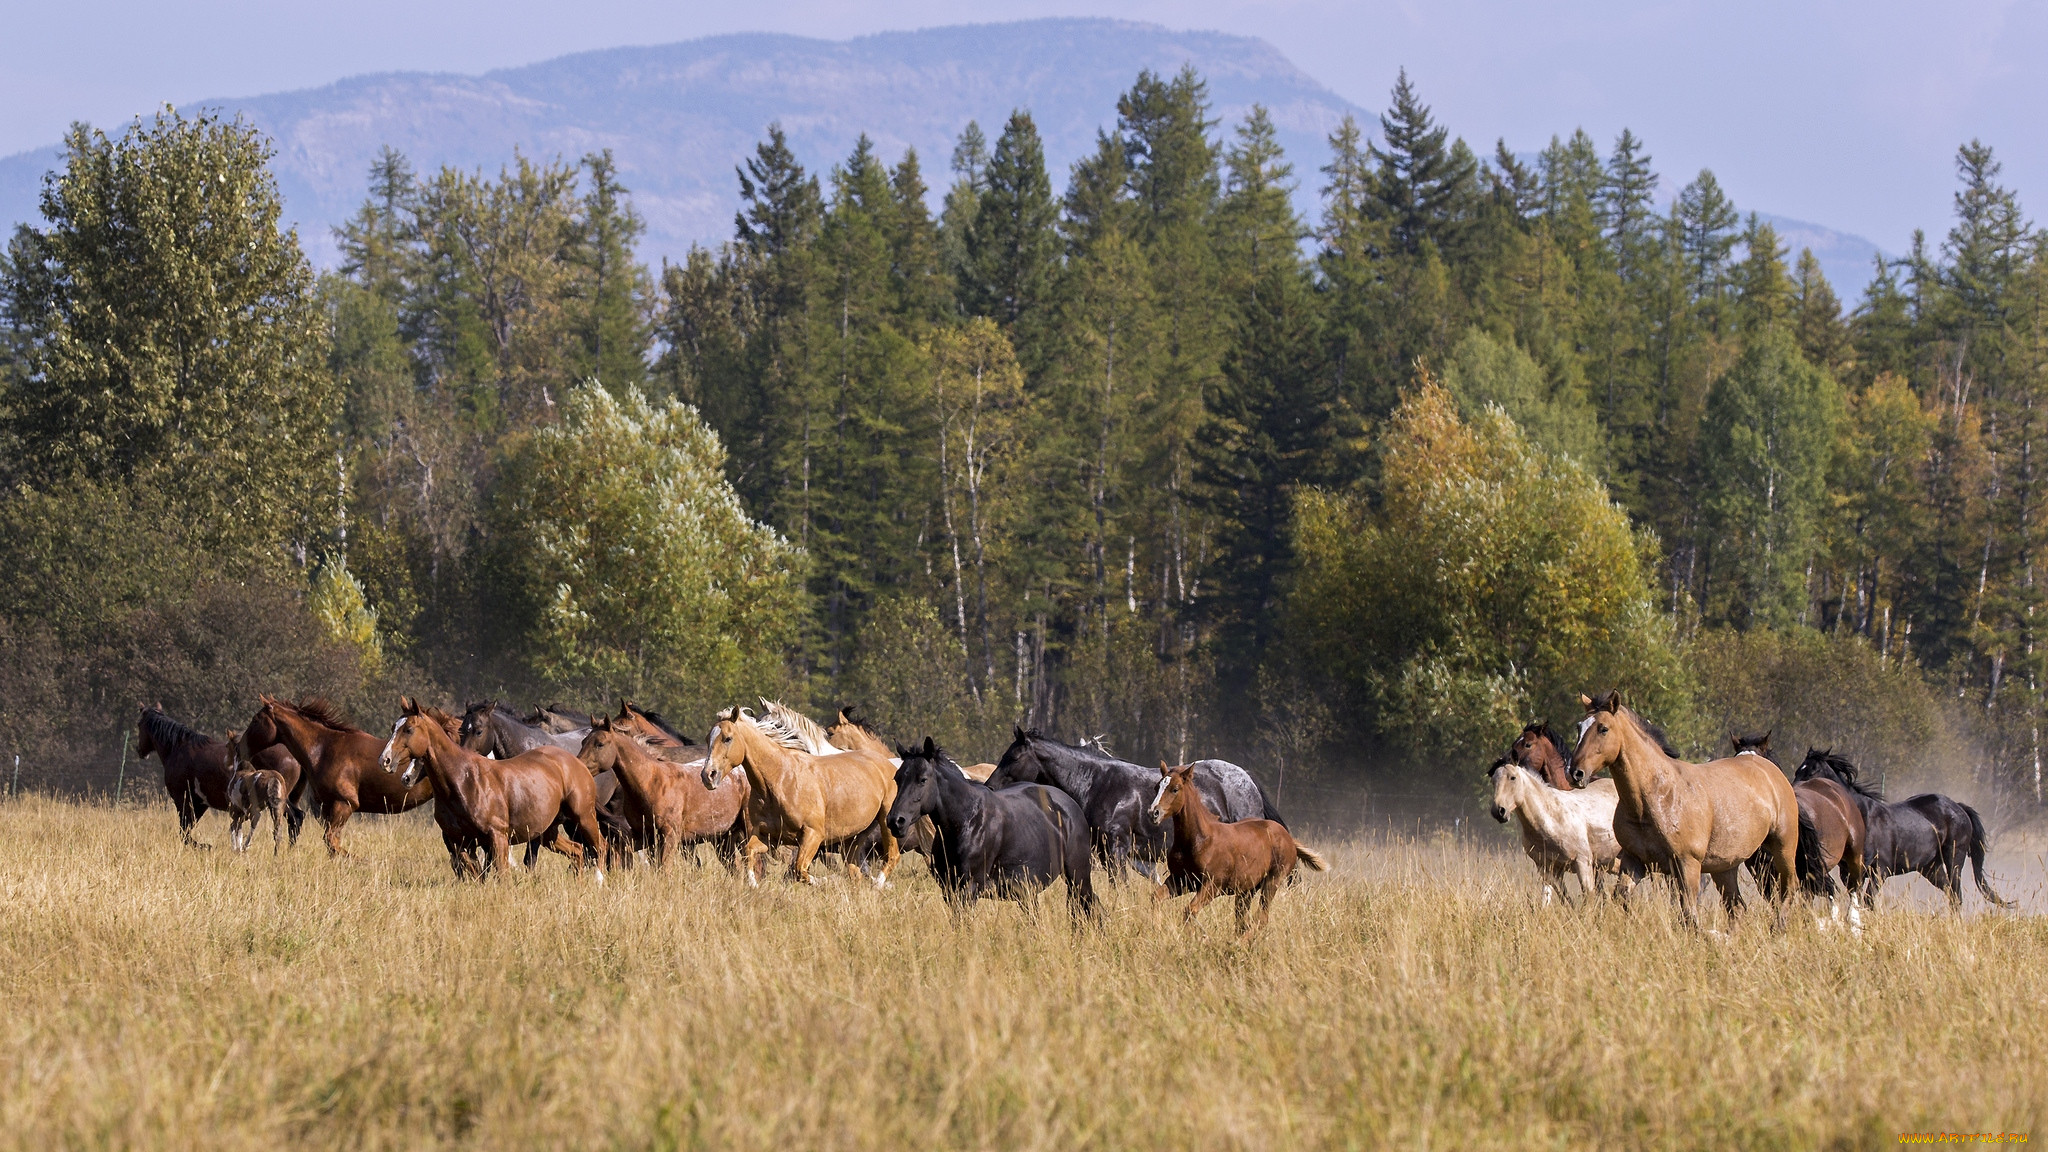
(1159, 798)
(1583, 726)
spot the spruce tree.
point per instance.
(1424, 181)
(1012, 248)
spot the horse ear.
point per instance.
(1164, 770)
(931, 748)
(408, 706)
(1586, 700)
(1767, 734)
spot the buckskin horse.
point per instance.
(848, 730)
(840, 800)
(1684, 819)
(486, 806)
(198, 769)
(1928, 833)
(339, 760)
(1244, 859)
(1009, 843)
(663, 801)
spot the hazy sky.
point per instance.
(1844, 113)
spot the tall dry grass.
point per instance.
(154, 995)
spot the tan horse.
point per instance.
(849, 731)
(1685, 819)
(803, 799)
(662, 791)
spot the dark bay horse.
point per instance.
(1928, 833)
(198, 770)
(1831, 835)
(662, 800)
(484, 806)
(1541, 750)
(1114, 794)
(1246, 858)
(340, 762)
(1010, 842)
(1685, 819)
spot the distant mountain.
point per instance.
(1847, 261)
(679, 117)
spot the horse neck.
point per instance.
(631, 761)
(1549, 761)
(449, 764)
(1192, 819)
(766, 762)
(958, 798)
(1536, 803)
(306, 741)
(1071, 773)
(1641, 761)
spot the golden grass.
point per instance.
(157, 996)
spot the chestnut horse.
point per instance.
(1540, 749)
(1245, 859)
(340, 762)
(198, 769)
(1831, 836)
(485, 805)
(1685, 819)
(662, 794)
(648, 727)
(799, 798)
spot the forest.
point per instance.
(1142, 455)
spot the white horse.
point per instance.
(1560, 830)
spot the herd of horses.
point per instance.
(1616, 803)
(1656, 813)
(601, 790)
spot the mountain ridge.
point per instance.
(680, 116)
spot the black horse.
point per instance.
(1929, 833)
(491, 729)
(1114, 794)
(1009, 842)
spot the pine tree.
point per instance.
(1424, 181)
(1012, 249)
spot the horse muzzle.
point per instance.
(1500, 813)
(898, 825)
(1577, 776)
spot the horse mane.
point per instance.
(793, 729)
(1543, 729)
(772, 727)
(654, 718)
(1653, 732)
(1846, 773)
(854, 718)
(168, 734)
(322, 711)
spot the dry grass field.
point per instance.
(155, 996)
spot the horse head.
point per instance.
(1508, 778)
(1176, 784)
(1752, 744)
(722, 747)
(917, 779)
(1600, 736)
(1021, 762)
(410, 739)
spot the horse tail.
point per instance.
(1313, 860)
(1978, 843)
(1265, 801)
(1807, 860)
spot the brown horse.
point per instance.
(253, 792)
(850, 731)
(198, 769)
(1246, 858)
(648, 727)
(485, 806)
(1541, 750)
(340, 763)
(662, 794)
(1685, 819)
(1831, 836)
(799, 798)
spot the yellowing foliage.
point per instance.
(1490, 584)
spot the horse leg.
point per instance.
(753, 854)
(1266, 893)
(276, 829)
(1588, 886)
(806, 849)
(501, 853)
(1203, 895)
(1729, 881)
(1688, 877)
(294, 820)
(891, 853)
(1242, 912)
(190, 809)
(338, 812)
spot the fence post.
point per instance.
(15, 787)
(121, 774)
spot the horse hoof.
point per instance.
(600, 877)
(881, 882)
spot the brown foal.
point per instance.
(1246, 858)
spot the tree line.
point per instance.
(1148, 456)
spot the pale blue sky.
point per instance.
(1844, 113)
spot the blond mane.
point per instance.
(791, 729)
